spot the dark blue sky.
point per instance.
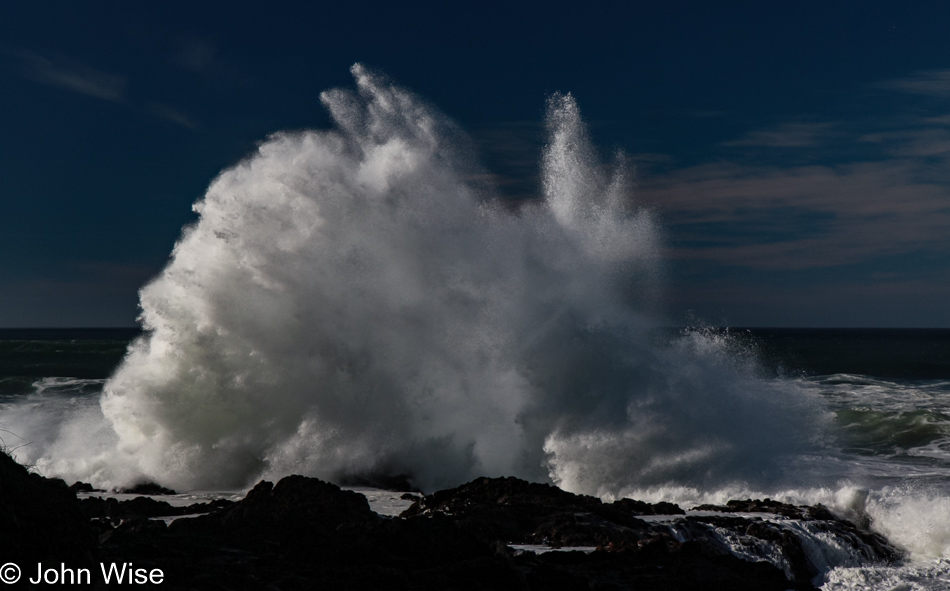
(797, 152)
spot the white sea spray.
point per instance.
(355, 300)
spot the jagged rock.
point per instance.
(40, 519)
(303, 533)
(517, 511)
(78, 487)
(116, 510)
(878, 548)
(769, 506)
(395, 483)
(800, 569)
(146, 488)
(296, 502)
(762, 537)
(511, 492)
(635, 507)
(328, 537)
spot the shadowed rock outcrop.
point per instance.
(40, 519)
(303, 533)
(761, 537)
(515, 511)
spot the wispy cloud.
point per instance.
(925, 141)
(928, 82)
(172, 114)
(70, 75)
(881, 189)
(803, 217)
(938, 120)
(789, 135)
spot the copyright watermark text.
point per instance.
(9, 573)
(109, 573)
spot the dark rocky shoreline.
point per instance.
(303, 533)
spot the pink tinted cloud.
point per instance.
(872, 209)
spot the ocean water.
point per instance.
(885, 451)
(357, 301)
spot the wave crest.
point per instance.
(355, 301)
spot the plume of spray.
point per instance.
(352, 301)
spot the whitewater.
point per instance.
(358, 301)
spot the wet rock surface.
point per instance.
(769, 506)
(303, 533)
(793, 528)
(117, 511)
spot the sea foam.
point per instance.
(356, 301)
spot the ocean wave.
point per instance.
(357, 301)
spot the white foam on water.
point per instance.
(923, 576)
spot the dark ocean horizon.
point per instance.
(906, 353)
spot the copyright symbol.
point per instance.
(9, 573)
